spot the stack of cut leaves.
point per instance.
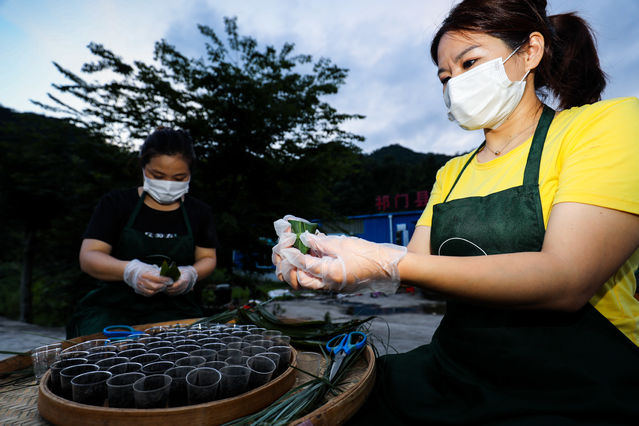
(303, 333)
(170, 270)
(303, 399)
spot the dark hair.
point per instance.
(166, 141)
(570, 66)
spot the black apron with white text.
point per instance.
(115, 303)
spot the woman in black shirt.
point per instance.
(133, 231)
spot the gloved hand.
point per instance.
(286, 239)
(341, 263)
(184, 284)
(145, 279)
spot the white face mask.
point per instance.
(483, 97)
(165, 191)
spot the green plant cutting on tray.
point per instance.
(308, 334)
(170, 270)
(304, 334)
(307, 397)
(302, 399)
(298, 228)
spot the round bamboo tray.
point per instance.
(61, 411)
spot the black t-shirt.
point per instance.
(114, 209)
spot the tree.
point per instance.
(257, 116)
(52, 173)
(392, 169)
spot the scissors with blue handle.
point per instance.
(342, 345)
(121, 332)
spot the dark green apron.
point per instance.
(499, 366)
(114, 302)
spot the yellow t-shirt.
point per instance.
(591, 156)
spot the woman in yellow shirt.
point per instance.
(533, 237)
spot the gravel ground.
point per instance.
(16, 336)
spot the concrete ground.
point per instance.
(16, 336)
(404, 320)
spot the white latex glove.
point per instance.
(285, 239)
(184, 284)
(347, 264)
(144, 278)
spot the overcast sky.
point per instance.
(384, 44)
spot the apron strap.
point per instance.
(186, 219)
(462, 170)
(138, 206)
(531, 172)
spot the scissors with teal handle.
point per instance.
(342, 345)
(115, 332)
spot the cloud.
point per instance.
(60, 32)
(391, 79)
(383, 44)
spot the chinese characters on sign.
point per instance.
(401, 201)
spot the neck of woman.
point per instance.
(519, 126)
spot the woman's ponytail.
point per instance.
(570, 68)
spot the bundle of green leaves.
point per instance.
(170, 270)
(298, 228)
(307, 334)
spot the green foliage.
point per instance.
(245, 286)
(9, 283)
(53, 174)
(170, 271)
(389, 170)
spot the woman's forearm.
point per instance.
(205, 267)
(205, 261)
(583, 247)
(101, 265)
(529, 280)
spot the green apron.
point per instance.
(114, 302)
(499, 366)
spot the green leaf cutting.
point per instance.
(298, 228)
(170, 271)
